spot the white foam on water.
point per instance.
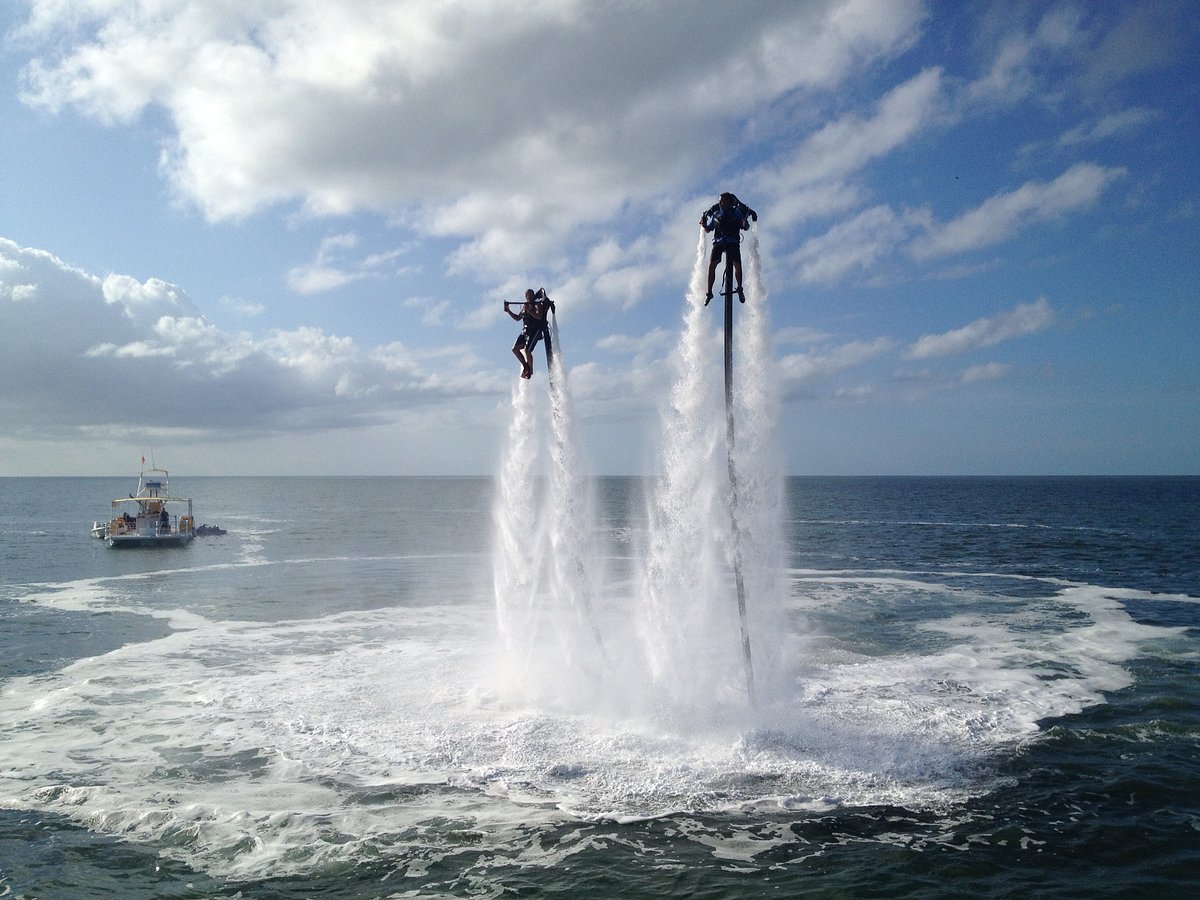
(112, 594)
(240, 747)
(246, 749)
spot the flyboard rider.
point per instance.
(532, 317)
(729, 217)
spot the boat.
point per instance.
(149, 518)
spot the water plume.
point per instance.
(666, 646)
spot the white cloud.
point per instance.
(1110, 125)
(318, 279)
(479, 120)
(856, 244)
(563, 142)
(800, 370)
(145, 301)
(1022, 41)
(810, 183)
(985, 372)
(1024, 319)
(242, 308)
(133, 350)
(335, 265)
(656, 340)
(1002, 215)
(139, 355)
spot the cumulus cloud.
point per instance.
(140, 355)
(468, 109)
(562, 142)
(1024, 319)
(518, 139)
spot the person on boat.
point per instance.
(728, 217)
(532, 317)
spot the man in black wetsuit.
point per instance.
(533, 327)
(729, 217)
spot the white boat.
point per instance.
(149, 518)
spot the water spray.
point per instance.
(728, 292)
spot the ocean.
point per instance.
(979, 687)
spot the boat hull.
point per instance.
(149, 540)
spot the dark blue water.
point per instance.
(993, 692)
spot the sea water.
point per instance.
(990, 688)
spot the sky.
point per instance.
(274, 236)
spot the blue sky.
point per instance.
(273, 236)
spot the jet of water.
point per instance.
(666, 647)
